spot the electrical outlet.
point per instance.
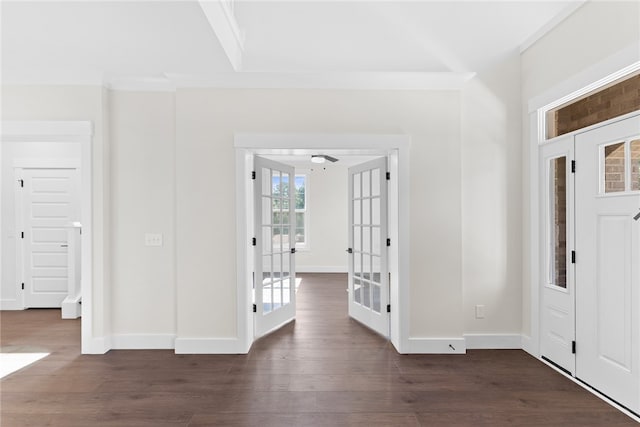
(479, 311)
(153, 239)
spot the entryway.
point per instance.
(590, 206)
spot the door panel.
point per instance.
(557, 275)
(368, 271)
(274, 287)
(50, 202)
(607, 265)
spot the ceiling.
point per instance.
(266, 43)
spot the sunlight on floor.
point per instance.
(11, 362)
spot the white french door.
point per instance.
(608, 260)
(557, 273)
(49, 203)
(275, 224)
(368, 255)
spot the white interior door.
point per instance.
(274, 284)
(368, 254)
(50, 202)
(556, 243)
(608, 258)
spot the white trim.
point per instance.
(140, 84)
(553, 23)
(396, 148)
(46, 164)
(619, 64)
(594, 392)
(11, 304)
(526, 345)
(209, 346)
(226, 29)
(337, 80)
(436, 346)
(96, 345)
(143, 341)
(493, 341)
(321, 268)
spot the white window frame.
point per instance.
(306, 246)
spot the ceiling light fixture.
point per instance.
(321, 158)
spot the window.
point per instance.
(281, 217)
(558, 222)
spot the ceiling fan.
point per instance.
(321, 158)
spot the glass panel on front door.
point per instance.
(558, 222)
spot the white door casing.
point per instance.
(368, 280)
(607, 267)
(48, 202)
(557, 278)
(275, 279)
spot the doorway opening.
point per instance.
(393, 147)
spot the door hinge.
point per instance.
(22, 234)
(293, 250)
(388, 308)
(253, 174)
(22, 183)
(23, 286)
(573, 257)
(388, 242)
(349, 250)
(573, 347)
(388, 176)
(253, 241)
(573, 166)
(255, 308)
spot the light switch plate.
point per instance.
(153, 239)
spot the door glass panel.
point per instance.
(376, 297)
(366, 294)
(366, 213)
(357, 265)
(286, 291)
(366, 184)
(356, 212)
(375, 269)
(266, 240)
(266, 182)
(375, 211)
(375, 240)
(357, 243)
(356, 185)
(366, 239)
(366, 266)
(635, 165)
(286, 268)
(375, 182)
(614, 172)
(266, 210)
(558, 222)
(267, 298)
(357, 291)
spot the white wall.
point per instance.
(142, 132)
(206, 122)
(327, 221)
(491, 199)
(592, 34)
(74, 103)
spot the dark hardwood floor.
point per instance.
(322, 370)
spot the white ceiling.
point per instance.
(300, 42)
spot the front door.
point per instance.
(49, 204)
(368, 272)
(274, 282)
(608, 260)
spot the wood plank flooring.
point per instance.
(322, 370)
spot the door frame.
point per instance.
(80, 132)
(395, 146)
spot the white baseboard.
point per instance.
(10, 304)
(493, 341)
(322, 269)
(143, 341)
(435, 346)
(96, 345)
(209, 346)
